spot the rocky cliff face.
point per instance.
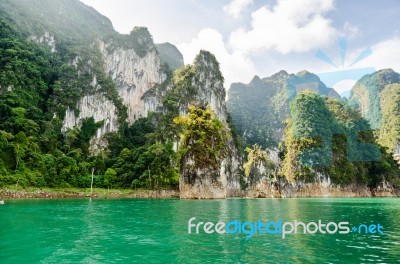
(206, 182)
(282, 189)
(137, 81)
(134, 77)
(101, 109)
(46, 39)
(207, 84)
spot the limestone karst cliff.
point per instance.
(136, 80)
(201, 84)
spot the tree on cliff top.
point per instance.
(204, 138)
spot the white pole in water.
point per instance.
(91, 185)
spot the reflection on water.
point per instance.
(155, 231)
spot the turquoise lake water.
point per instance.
(156, 231)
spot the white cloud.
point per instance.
(235, 67)
(289, 26)
(350, 31)
(235, 7)
(385, 54)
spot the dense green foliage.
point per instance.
(389, 135)
(325, 136)
(38, 83)
(139, 39)
(70, 21)
(36, 87)
(141, 158)
(203, 140)
(253, 124)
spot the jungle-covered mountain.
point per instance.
(260, 108)
(77, 97)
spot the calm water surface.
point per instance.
(155, 231)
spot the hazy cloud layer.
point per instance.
(235, 7)
(289, 26)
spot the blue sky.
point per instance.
(261, 37)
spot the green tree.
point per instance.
(204, 138)
(109, 177)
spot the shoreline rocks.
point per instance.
(263, 190)
(67, 193)
(269, 189)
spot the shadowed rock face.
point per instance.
(202, 184)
